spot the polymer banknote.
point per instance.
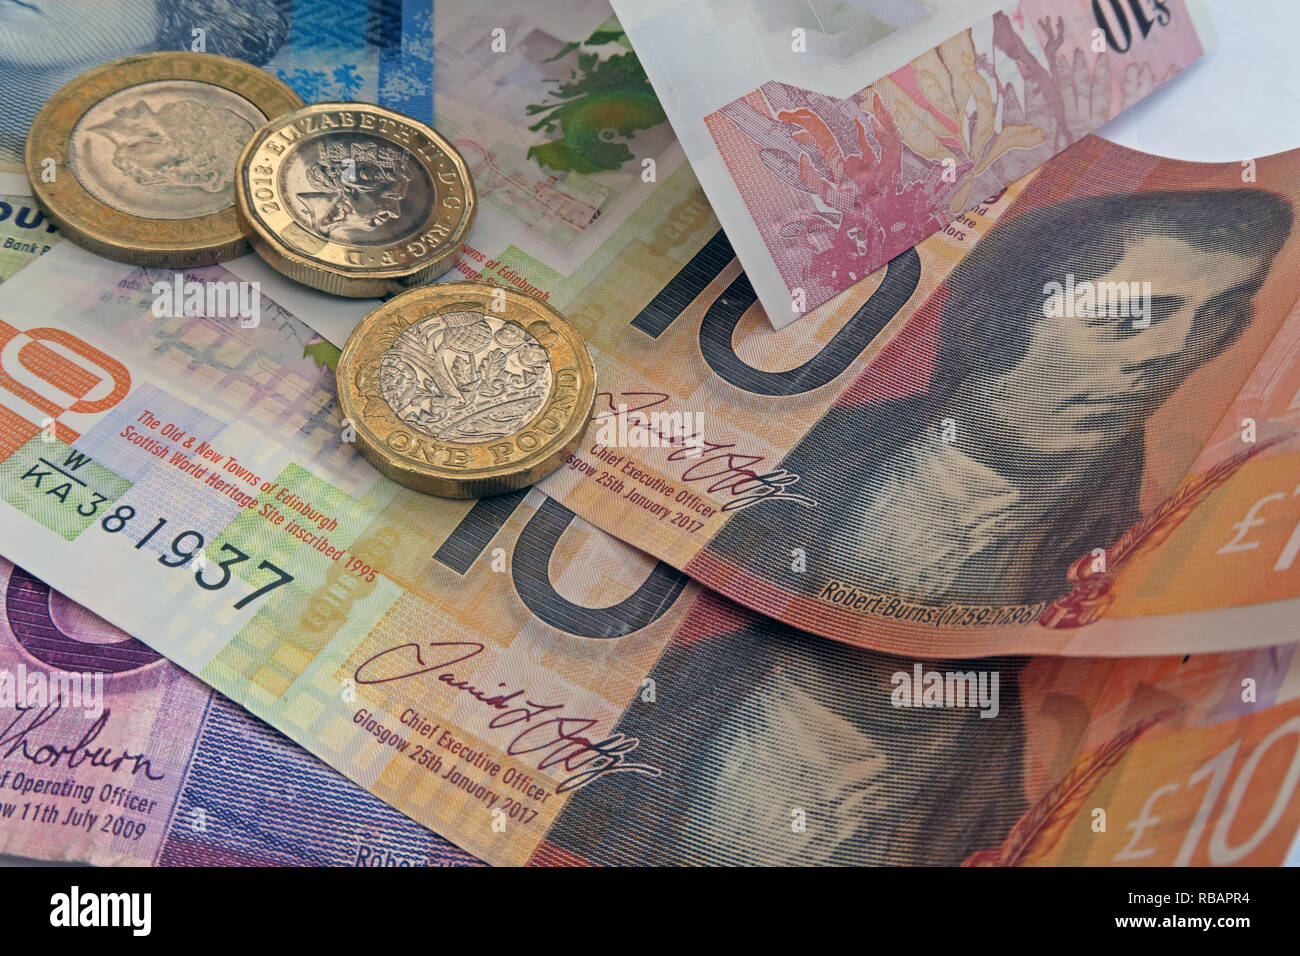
(560, 128)
(831, 139)
(1069, 428)
(1066, 425)
(535, 690)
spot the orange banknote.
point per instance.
(779, 748)
(1068, 424)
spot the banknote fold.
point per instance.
(830, 145)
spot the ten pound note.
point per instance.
(830, 144)
(1071, 428)
(516, 679)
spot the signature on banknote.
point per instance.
(17, 738)
(559, 736)
(730, 473)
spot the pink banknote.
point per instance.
(837, 187)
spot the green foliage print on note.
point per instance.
(603, 103)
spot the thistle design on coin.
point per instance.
(355, 199)
(455, 398)
(146, 151)
(466, 376)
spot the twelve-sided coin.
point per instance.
(355, 199)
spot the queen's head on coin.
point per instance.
(152, 149)
(151, 145)
(356, 189)
(163, 150)
(354, 199)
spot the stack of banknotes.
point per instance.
(963, 528)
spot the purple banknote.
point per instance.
(111, 754)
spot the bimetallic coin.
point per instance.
(136, 159)
(465, 389)
(355, 199)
